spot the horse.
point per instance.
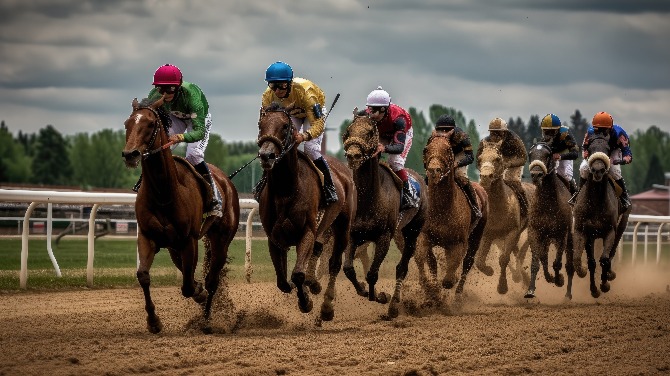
(549, 221)
(292, 213)
(507, 226)
(169, 208)
(453, 232)
(598, 215)
(378, 216)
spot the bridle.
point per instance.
(438, 156)
(289, 141)
(154, 134)
(541, 164)
(368, 152)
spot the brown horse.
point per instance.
(453, 232)
(378, 215)
(550, 220)
(506, 224)
(169, 209)
(598, 215)
(292, 213)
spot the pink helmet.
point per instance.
(167, 75)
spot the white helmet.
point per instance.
(378, 97)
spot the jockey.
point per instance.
(190, 122)
(308, 115)
(462, 148)
(395, 138)
(563, 146)
(514, 158)
(620, 153)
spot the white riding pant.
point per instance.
(564, 168)
(195, 151)
(397, 161)
(615, 170)
(312, 147)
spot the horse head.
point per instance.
(490, 162)
(276, 134)
(360, 140)
(438, 156)
(599, 160)
(541, 162)
(142, 129)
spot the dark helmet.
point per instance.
(445, 122)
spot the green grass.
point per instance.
(115, 263)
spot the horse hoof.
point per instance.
(383, 298)
(315, 288)
(569, 296)
(559, 280)
(516, 277)
(605, 287)
(595, 293)
(207, 329)
(307, 307)
(447, 284)
(581, 272)
(611, 275)
(285, 287)
(502, 288)
(487, 270)
(529, 295)
(327, 315)
(155, 326)
(393, 311)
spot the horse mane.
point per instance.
(146, 102)
(537, 162)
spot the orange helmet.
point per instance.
(602, 120)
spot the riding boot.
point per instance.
(329, 192)
(409, 197)
(573, 199)
(472, 199)
(625, 200)
(136, 187)
(215, 204)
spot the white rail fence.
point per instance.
(97, 199)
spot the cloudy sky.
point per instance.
(78, 64)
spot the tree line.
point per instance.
(93, 160)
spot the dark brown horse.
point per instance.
(550, 220)
(449, 221)
(378, 215)
(169, 209)
(292, 212)
(598, 215)
(506, 224)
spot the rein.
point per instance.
(285, 145)
(369, 152)
(155, 134)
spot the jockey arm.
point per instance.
(397, 144)
(461, 143)
(563, 145)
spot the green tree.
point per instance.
(51, 164)
(645, 144)
(217, 151)
(14, 162)
(655, 173)
(96, 160)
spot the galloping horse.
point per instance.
(169, 209)
(550, 220)
(292, 213)
(378, 216)
(453, 232)
(506, 224)
(598, 215)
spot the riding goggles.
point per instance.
(166, 89)
(278, 85)
(375, 109)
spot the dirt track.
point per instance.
(102, 332)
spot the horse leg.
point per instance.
(591, 261)
(545, 261)
(340, 242)
(303, 250)
(381, 249)
(410, 234)
(217, 249)
(278, 257)
(455, 255)
(189, 259)
(535, 249)
(509, 245)
(579, 240)
(147, 251)
(424, 248)
(310, 280)
(520, 274)
(606, 261)
(557, 265)
(348, 268)
(569, 265)
(482, 254)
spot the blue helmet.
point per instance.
(279, 71)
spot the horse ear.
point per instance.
(355, 112)
(136, 104)
(159, 102)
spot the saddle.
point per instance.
(618, 191)
(396, 179)
(205, 189)
(261, 183)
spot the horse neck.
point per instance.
(550, 184)
(442, 195)
(283, 178)
(160, 173)
(596, 192)
(368, 181)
